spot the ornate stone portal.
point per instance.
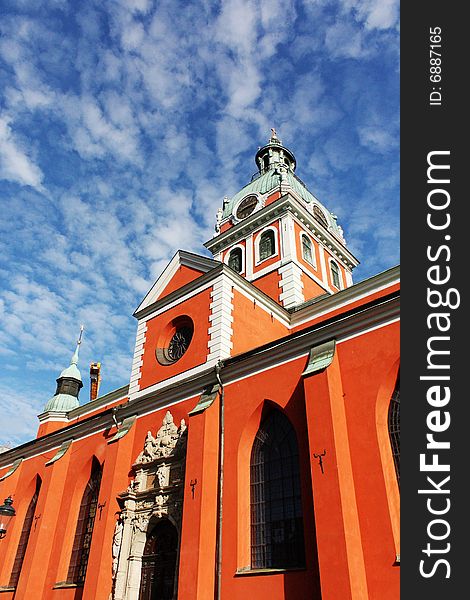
(155, 493)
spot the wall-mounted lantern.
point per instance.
(6, 513)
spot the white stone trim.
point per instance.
(227, 254)
(249, 257)
(220, 331)
(323, 272)
(288, 247)
(137, 360)
(291, 285)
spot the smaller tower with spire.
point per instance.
(65, 399)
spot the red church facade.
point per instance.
(254, 451)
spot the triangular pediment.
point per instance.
(183, 268)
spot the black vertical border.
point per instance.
(424, 129)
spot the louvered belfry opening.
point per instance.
(277, 537)
(85, 524)
(394, 426)
(24, 537)
(159, 563)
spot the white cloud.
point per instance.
(15, 164)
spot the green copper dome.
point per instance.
(276, 166)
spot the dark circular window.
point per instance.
(174, 341)
(246, 207)
(179, 343)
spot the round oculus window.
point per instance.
(246, 207)
(174, 341)
(179, 343)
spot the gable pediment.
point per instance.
(183, 268)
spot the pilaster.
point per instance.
(198, 540)
(340, 554)
(291, 285)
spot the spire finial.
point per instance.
(74, 360)
(273, 135)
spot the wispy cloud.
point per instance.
(122, 127)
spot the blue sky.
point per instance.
(123, 124)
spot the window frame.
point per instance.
(281, 514)
(22, 546)
(227, 257)
(340, 286)
(78, 563)
(312, 263)
(259, 235)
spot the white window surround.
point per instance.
(257, 242)
(314, 254)
(227, 256)
(330, 262)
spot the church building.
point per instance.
(254, 450)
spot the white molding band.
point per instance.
(137, 361)
(220, 331)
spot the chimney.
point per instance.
(95, 380)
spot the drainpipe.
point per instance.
(220, 487)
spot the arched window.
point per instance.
(267, 246)
(394, 426)
(307, 249)
(84, 529)
(335, 274)
(277, 538)
(235, 260)
(319, 216)
(159, 562)
(24, 537)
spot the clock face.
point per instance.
(246, 207)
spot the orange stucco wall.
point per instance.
(197, 308)
(182, 276)
(269, 284)
(349, 518)
(252, 325)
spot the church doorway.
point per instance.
(159, 563)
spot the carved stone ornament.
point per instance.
(117, 539)
(165, 444)
(155, 493)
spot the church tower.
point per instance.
(279, 236)
(65, 399)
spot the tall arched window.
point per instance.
(277, 537)
(335, 274)
(159, 563)
(394, 426)
(85, 524)
(235, 260)
(267, 246)
(307, 249)
(24, 537)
